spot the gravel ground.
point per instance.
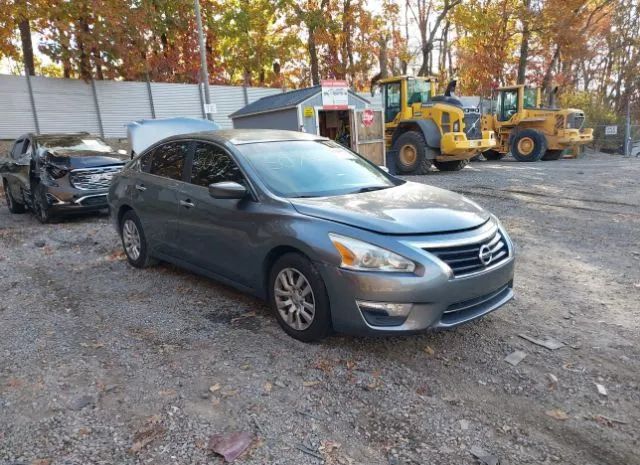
(103, 363)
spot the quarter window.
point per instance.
(168, 160)
(212, 164)
(16, 151)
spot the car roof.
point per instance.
(248, 136)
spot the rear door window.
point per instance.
(168, 160)
(16, 151)
(212, 164)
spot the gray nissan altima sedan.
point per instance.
(330, 240)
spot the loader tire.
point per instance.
(413, 154)
(553, 155)
(456, 165)
(493, 155)
(528, 145)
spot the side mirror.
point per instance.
(227, 190)
(383, 168)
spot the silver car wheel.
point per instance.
(131, 239)
(294, 299)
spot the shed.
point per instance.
(330, 109)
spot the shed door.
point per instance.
(368, 135)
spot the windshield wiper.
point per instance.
(369, 189)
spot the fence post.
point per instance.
(33, 102)
(627, 132)
(153, 108)
(95, 101)
(200, 90)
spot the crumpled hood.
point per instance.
(74, 159)
(410, 208)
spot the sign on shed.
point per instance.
(335, 94)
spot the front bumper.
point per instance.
(437, 299)
(456, 146)
(572, 137)
(68, 200)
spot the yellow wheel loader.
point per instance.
(422, 128)
(529, 131)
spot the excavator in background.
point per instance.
(424, 129)
(530, 132)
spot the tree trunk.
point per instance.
(97, 60)
(85, 66)
(313, 57)
(547, 87)
(27, 47)
(383, 56)
(524, 44)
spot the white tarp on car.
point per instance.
(144, 133)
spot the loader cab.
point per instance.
(513, 100)
(401, 93)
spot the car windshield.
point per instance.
(313, 169)
(75, 143)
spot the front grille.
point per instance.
(466, 259)
(575, 120)
(472, 126)
(473, 308)
(87, 179)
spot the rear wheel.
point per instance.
(12, 204)
(528, 145)
(456, 165)
(299, 298)
(553, 155)
(134, 241)
(493, 155)
(414, 156)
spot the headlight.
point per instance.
(456, 126)
(362, 256)
(56, 173)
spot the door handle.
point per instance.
(187, 203)
(141, 187)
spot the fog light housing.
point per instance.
(384, 313)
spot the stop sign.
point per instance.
(367, 118)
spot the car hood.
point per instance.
(410, 208)
(74, 159)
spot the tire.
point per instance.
(553, 155)
(41, 207)
(493, 155)
(456, 165)
(287, 269)
(528, 145)
(136, 250)
(416, 158)
(12, 204)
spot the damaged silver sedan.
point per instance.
(58, 174)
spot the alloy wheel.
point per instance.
(131, 239)
(294, 299)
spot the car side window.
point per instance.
(211, 164)
(168, 160)
(145, 161)
(16, 151)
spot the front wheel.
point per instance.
(298, 297)
(41, 207)
(456, 165)
(413, 154)
(528, 145)
(134, 241)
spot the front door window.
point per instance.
(507, 104)
(391, 101)
(212, 165)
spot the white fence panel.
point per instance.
(121, 103)
(64, 105)
(15, 107)
(172, 100)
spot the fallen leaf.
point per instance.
(41, 462)
(151, 430)
(267, 387)
(231, 445)
(116, 255)
(547, 343)
(215, 387)
(557, 414)
(553, 381)
(429, 350)
(601, 389)
(242, 317)
(310, 383)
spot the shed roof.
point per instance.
(281, 101)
